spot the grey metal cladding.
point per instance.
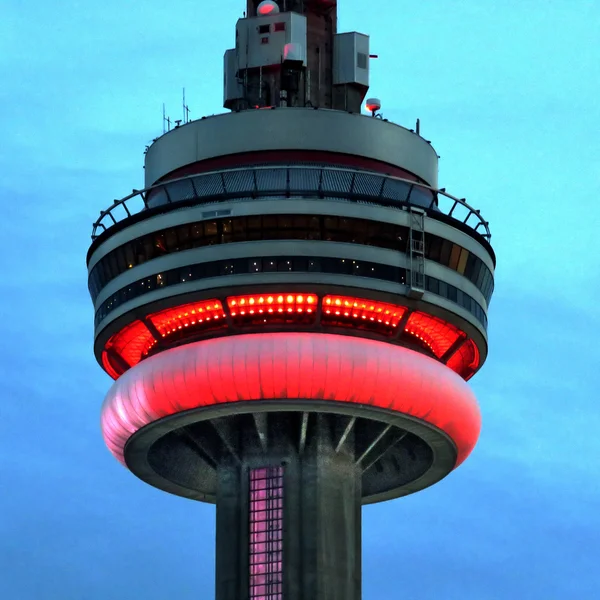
(334, 180)
(271, 179)
(239, 181)
(305, 179)
(367, 184)
(182, 189)
(291, 129)
(211, 183)
(398, 190)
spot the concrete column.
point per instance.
(321, 519)
(322, 526)
(231, 581)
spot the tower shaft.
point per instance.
(289, 521)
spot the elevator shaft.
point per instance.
(289, 521)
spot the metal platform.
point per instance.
(395, 455)
(288, 182)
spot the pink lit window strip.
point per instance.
(266, 533)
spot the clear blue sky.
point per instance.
(508, 92)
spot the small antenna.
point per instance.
(418, 127)
(166, 121)
(186, 110)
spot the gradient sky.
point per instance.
(508, 92)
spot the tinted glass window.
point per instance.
(462, 261)
(454, 256)
(272, 227)
(445, 252)
(300, 264)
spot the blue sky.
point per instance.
(508, 93)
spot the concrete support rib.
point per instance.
(384, 451)
(303, 432)
(345, 434)
(373, 444)
(223, 429)
(201, 447)
(260, 422)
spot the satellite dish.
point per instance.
(267, 7)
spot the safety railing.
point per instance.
(292, 182)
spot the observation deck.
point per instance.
(276, 212)
(277, 232)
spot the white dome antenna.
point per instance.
(373, 105)
(267, 7)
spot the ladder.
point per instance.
(416, 252)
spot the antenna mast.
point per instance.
(186, 110)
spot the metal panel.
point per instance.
(209, 184)
(260, 43)
(398, 190)
(305, 179)
(351, 59)
(291, 129)
(367, 184)
(232, 89)
(181, 190)
(239, 181)
(335, 180)
(271, 179)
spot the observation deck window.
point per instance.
(289, 227)
(295, 263)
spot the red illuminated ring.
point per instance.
(307, 366)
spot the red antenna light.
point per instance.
(267, 7)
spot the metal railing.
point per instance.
(301, 181)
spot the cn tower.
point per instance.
(290, 310)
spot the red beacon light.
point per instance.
(267, 7)
(373, 105)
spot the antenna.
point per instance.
(166, 120)
(373, 105)
(186, 110)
